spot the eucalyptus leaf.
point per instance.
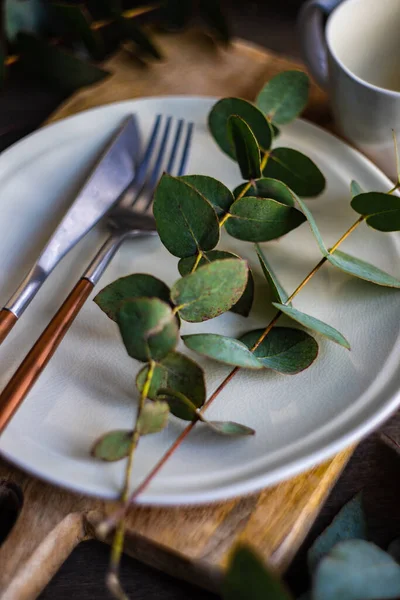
(349, 524)
(113, 446)
(227, 428)
(268, 188)
(186, 221)
(244, 304)
(313, 225)
(295, 169)
(223, 349)
(213, 190)
(246, 149)
(261, 219)
(55, 66)
(278, 293)
(284, 97)
(27, 16)
(212, 290)
(180, 373)
(382, 211)
(361, 269)
(370, 203)
(354, 570)
(139, 285)
(153, 417)
(148, 328)
(225, 108)
(76, 20)
(284, 349)
(355, 188)
(248, 579)
(314, 324)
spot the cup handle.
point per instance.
(312, 37)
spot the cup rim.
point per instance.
(364, 82)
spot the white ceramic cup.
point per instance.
(356, 58)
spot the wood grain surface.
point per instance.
(191, 543)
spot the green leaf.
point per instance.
(382, 210)
(153, 417)
(76, 20)
(364, 270)
(354, 570)
(314, 324)
(129, 31)
(370, 203)
(313, 226)
(148, 328)
(223, 349)
(180, 373)
(387, 221)
(275, 130)
(295, 169)
(244, 304)
(139, 285)
(27, 16)
(284, 97)
(227, 107)
(277, 290)
(113, 445)
(55, 66)
(349, 524)
(284, 349)
(268, 188)
(211, 290)
(355, 189)
(261, 219)
(186, 221)
(246, 149)
(248, 579)
(228, 428)
(213, 190)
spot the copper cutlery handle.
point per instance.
(40, 354)
(7, 322)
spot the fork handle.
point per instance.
(40, 354)
(7, 322)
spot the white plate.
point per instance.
(88, 387)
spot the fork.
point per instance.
(130, 219)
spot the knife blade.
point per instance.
(111, 175)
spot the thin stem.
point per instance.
(118, 541)
(226, 217)
(107, 525)
(264, 161)
(198, 259)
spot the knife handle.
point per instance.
(40, 354)
(7, 322)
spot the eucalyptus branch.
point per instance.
(109, 523)
(94, 26)
(113, 582)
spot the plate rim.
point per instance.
(278, 473)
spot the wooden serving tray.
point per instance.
(192, 543)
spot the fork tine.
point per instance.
(174, 151)
(175, 146)
(157, 168)
(144, 165)
(186, 149)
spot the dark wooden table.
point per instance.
(374, 467)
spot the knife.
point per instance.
(108, 180)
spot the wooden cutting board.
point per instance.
(192, 543)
